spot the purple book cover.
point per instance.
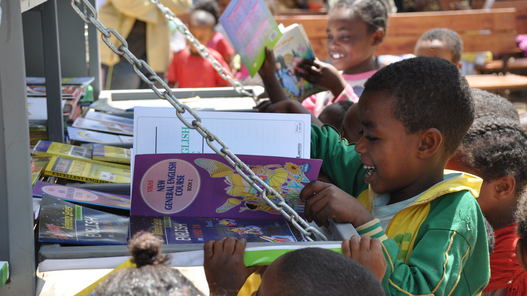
(203, 185)
(79, 195)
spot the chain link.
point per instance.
(216, 144)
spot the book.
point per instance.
(79, 170)
(111, 154)
(66, 223)
(251, 27)
(81, 135)
(159, 130)
(4, 273)
(49, 148)
(37, 109)
(65, 80)
(37, 201)
(184, 230)
(40, 165)
(289, 51)
(72, 116)
(83, 196)
(104, 126)
(204, 185)
(68, 91)
(101, 116)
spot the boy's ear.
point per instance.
(431, 140)
(378, 36)
(504, 187)
(521, 253)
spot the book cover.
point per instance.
(66, 223)
(291, 49)
(101, 116)
(37, 109)
(81, 135)
(4, 273)
(251, 27)
(80, 195)
(79, 170)
(49, 148)
(65, 80)
(184, 230)
(104, 126)
(111, 153)
(203, 185)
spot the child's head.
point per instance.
(486, 102)
(495, 149)
(440, 43)
(413, 114)
(334, 114)
(150, 277)
(521, 231)
(202, 21)
(315, 271)
(351, 129)
(222, 4)
(355, 29)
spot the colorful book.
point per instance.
(66, 223)
(49, 148)
(104, 126)
(184, 230)
(101, 116)
(79, 170)
(4, 273)
(111, 154)
(65, 80)
(37, 109)
(251, 27)
(291, 49)
(83, 196)
(81, 135)
(204, 185)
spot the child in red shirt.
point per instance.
(188, 69)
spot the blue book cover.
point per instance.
(187, 230)
(66, 223)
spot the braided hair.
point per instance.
(151, 277)
(372, 12)
(496, 146)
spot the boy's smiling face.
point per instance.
(349, 44)
(386, 149)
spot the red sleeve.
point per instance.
(224, 48)
(172, 69)
(219, 80)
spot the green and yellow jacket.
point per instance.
(437, 245)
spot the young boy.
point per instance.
(309, 271)
(188, 69)
(413, 114)
(440, 43)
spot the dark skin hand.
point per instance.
(289, 106)
(368, 252)
(322, 74)
(272, 86)
(224, 266)
(326, 201)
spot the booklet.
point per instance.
(101, 116)
(122, 129)
(67, 223)
(159, 130)
(81, 135)
(251, 27)
(80, 195)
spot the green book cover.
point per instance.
(4, 273)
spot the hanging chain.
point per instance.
(220, 148)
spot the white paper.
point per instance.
(158, 130)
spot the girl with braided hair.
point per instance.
(495, 149)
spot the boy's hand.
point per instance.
(268, 65)
(322, 74)
(289, 106)
(326, 201)
(224, 267)
(368, 252)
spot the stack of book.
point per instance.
(99, 127)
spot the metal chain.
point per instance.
(221, 149)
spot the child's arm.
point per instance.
(272, 86)
(224, 266)
(288, 106)
(324, 75)
(368, 252)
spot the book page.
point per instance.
(158, 130)
(250, 27)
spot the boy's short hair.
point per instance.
(323, 272)
(448, 36)
(427, 93)
(486, 102)
(373, 12)
(496, 146)
(337, 116)
(210, 6)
